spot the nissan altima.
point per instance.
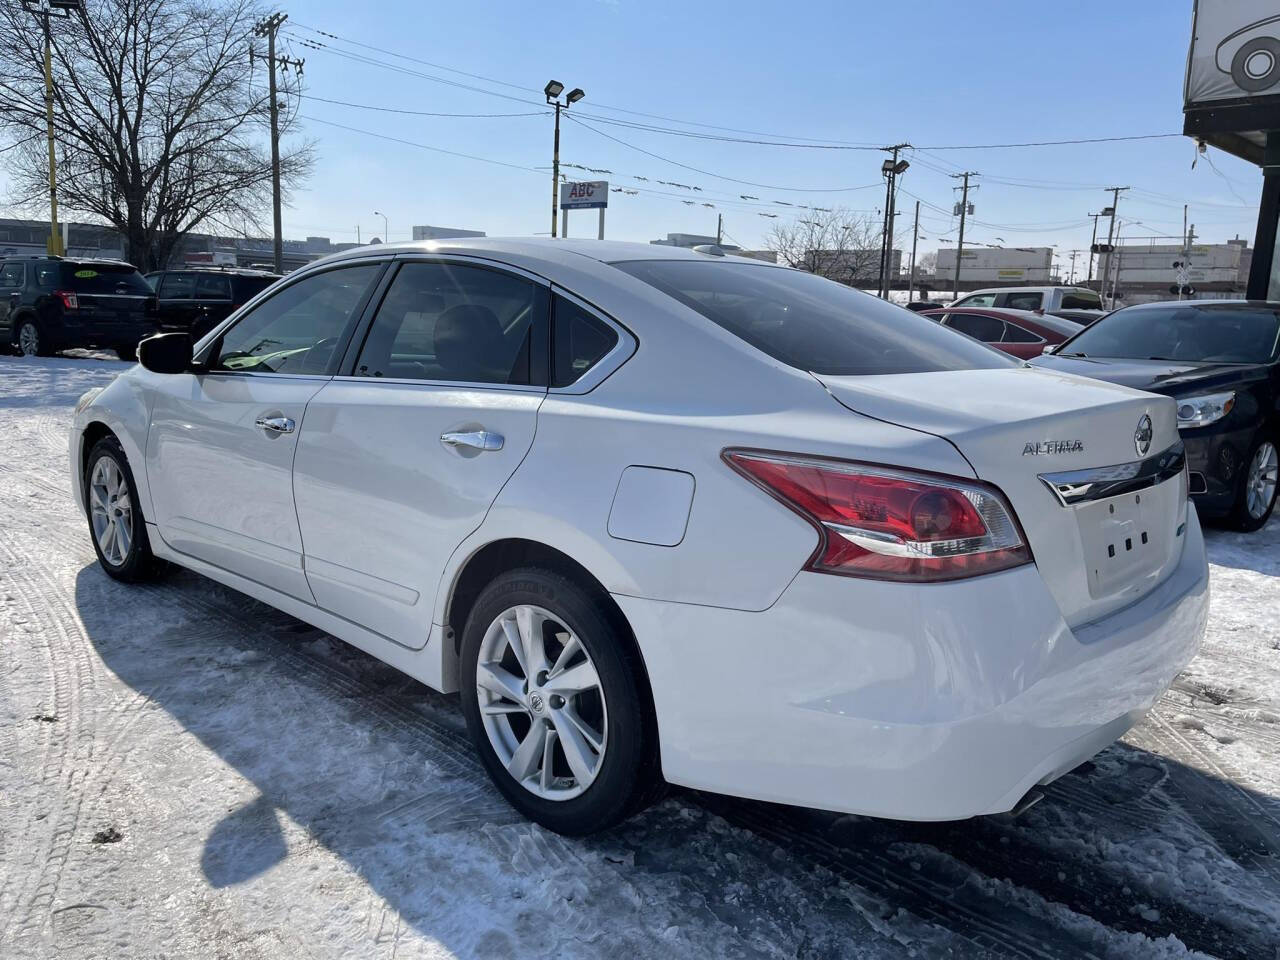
(666, 516)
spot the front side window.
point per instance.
(212, 287)
(178, 286)
(1024, 301)
(986, 329)
(978, 300)
(1187, 332)
(579, 341)
(297, 330)
(453, 322)
(812, 323)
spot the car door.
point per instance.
(980, 326)
(221, 443)
(400, 459)
(11, 279)
(213, 299)
(176, 299)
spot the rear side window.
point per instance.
(812, 323)
(1024, 301)
(978, 300)
(11, 276)
(453, 322)
(212, 287)
(986, 329)
(1081, 301)
(1016, 334)
(579, 340)
(104, 279)
(249, 287)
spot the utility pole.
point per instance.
(915, 238)
(45, 10)
(890, 169)
(719, 228)
(268, 27)
(1093, 241)
(964, 210)
(1072, 279)
(1111, 230)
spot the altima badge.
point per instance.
(1142, 436)
(1045, 447)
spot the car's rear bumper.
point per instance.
(919, 702)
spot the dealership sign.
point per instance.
(585, 195)
(1235, 51)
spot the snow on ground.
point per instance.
(187, 773)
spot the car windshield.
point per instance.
(105, 278)
(1190, 332)
(812, 323)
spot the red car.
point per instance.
(1022, 333)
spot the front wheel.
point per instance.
(1256, 490)
(115, 517)
(553, 704)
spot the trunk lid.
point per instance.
(1017, 425)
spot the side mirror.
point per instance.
(166, 353)
(1047, 350)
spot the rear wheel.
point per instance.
(553, 704)
(115, 517)
(1256, 488)
(31, 343)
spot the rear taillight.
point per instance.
(68, 298)
(891, 524)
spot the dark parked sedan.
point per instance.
(1219, 361)
(197, 300)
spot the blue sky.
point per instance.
(931, 73)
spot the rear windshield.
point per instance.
(812, 323)
(104, 278)
(1081, 300)
(1185, 332)
(247, 287)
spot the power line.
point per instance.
(419, 113)
(708, 173)
(1054, 143)
(422, 146)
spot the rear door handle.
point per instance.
(276, 424)
(475, 439)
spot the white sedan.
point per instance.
(665, 516)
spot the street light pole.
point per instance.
(552, 90)
(386, 230)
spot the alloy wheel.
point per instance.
(541, 703)
(1260, 485)
(111, 511)
(29, 340)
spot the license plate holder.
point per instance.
(1126, 539)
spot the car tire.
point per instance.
(116, 524)
(30, 341)
(612, 711)
(1256, 486)
(1239, 72)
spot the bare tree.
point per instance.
(837, 244)
(160, 121)
(927, 263)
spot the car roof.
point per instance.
(219, 271)
(1031, 319)
(564, 251)
(1208, 304)
(1031, 289)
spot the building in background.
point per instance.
(691, 240)
(858, 268)
(443, 233)
(995, 266)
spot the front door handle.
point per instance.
(276, 424)
(475, 439)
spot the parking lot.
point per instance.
(188, 773)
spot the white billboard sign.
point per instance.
(1235, 51)
(584, 195)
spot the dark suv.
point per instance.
(52, 303)
(196, 300)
